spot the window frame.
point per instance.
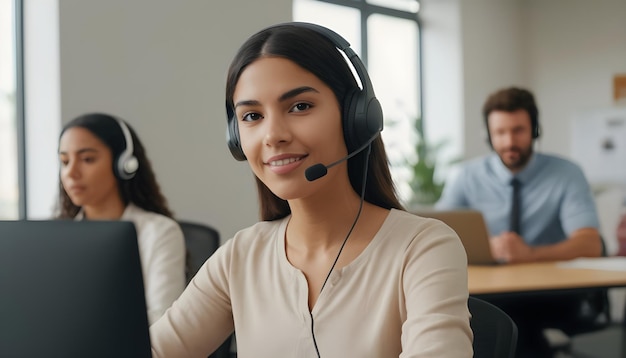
(20, 107)
(15, 130)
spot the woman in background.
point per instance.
(106, 175)
(336, 268)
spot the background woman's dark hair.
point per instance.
(318, 55)
(142, 190)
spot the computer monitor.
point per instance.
(71, 289)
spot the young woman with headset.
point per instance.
(106, 175)
(336, 267)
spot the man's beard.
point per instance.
(520, 162)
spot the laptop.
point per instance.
(472, 230)
(71, 289)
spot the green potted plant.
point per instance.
(426, 188)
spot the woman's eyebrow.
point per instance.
(296, 91)
(81, 151)
(285, 96)
(248, 102)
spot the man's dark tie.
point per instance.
(515, 206)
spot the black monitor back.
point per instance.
(71, 289)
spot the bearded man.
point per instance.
(538, 207)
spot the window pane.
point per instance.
(403, 5)
(8, 130)
(394, 69)
(341, 19)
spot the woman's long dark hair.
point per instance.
(318, 55)
(141, 190)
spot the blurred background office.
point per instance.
(163, 63)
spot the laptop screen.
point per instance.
(472, 230)
(71, 289)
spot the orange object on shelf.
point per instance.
(619, 88)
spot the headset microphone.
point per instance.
(318, 170)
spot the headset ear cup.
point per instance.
(126, 167)
(131, 165)
(363, 119)
(536, 130)
(374, 118)
(232, 138)
(350, 133)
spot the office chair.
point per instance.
(495, 333)
(201, 242)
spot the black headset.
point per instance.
(126, 164)
(534, 122)
(362, 114)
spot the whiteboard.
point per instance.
(598, 144)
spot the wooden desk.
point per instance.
(537, 277)
(541, 278)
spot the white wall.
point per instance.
(493, 46)
(161, 65)
(575, 48)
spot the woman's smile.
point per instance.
(284, 165)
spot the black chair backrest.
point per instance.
(495, 333)
(201, 241)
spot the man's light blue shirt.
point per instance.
(556, 198)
